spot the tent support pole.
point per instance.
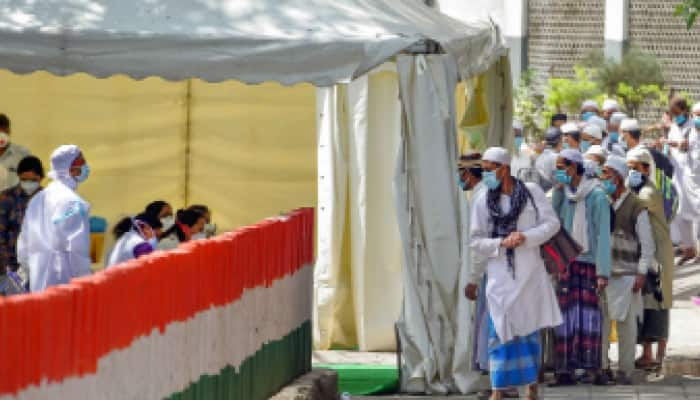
(188, 138)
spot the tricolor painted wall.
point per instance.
(227, 318)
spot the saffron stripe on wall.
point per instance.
(73, 326)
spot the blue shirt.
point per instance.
(598, 219)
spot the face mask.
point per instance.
(592, 168)
(199, 236)
(565, 145)
(462, 184)
(84, 174)
(4, 140)
(696, 121)
(609, 186)
(562, 177)
(167, 222)
(636, 178)
(587, 115)
(518, 142)
(681, 119)
(490, 180)
(153, 242)
(29, 187)
(585, 145)
(614, 136)
(623, 143)
(209, 229)
(665, 149)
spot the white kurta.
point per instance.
(521, 160)
(55, 238)
(525, 303)
(546, 163)
(123, 249)
(686, 176)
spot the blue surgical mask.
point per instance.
(518, 142)
(153, 242)
(609, 186)
(462, 184)
(562, 177)
(681, 119)
(585, 145)
(587, 115)
(623, 143)
(614, 136)
(565, 145)
(696, 121)
(490, 180)
(636, 179)
(84, 173)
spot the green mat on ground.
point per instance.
(363, 379)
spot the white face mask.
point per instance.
(209, 230)
(199, 236)
(4, 140)
(29, 187)
(167, 222)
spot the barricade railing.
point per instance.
(227, 318)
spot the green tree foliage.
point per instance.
(529, 107)
(566, 95)
(688, 10)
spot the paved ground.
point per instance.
(680, 380)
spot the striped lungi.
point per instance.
(578, 339)
(514, 363)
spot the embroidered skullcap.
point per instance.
(618, 164)
(497, 155)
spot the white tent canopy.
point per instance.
(289, 41)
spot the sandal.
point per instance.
(532, 393)
(563, 380)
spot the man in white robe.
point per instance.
(684, 150)
(55, 238)
(521, 299)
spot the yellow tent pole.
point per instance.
(188, 135)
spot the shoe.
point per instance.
(563, 380)
(646, 365)
(602, 379)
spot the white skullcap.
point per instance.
(572, 155)
(596, 150)
(610, 105)
(696, 108)
(629, 125)
(640, 154)
(570, 127)
(61, 160)
(517, 125)
(497, 155)
(618, 164)
(599, 122)
(593, 130)
(617, 118)
(589, 104)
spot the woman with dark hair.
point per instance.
(209, 229)
(136, 236)
(187, 224)
(163, 211)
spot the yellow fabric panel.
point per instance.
(131, 132)
(253, 149)
(473, 127)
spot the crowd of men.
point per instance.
(45, 232)
(629, 203)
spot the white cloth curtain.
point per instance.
(357, 277)
(429, 215)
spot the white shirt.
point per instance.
(525, 303)
(686, 175)
(546, 163)
(55, 238)
(123, 249)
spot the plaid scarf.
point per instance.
(505, 224)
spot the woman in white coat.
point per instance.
(55, 238)
(188, 223)
(136, 237)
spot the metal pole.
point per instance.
(188, 137)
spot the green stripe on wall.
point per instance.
(260, 376)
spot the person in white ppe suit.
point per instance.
(55, 238)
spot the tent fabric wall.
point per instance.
(358, 290)
(429, 211)
(252, 147)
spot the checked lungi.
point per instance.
(514, 363)
(577, 341)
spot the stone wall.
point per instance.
(560, 32)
